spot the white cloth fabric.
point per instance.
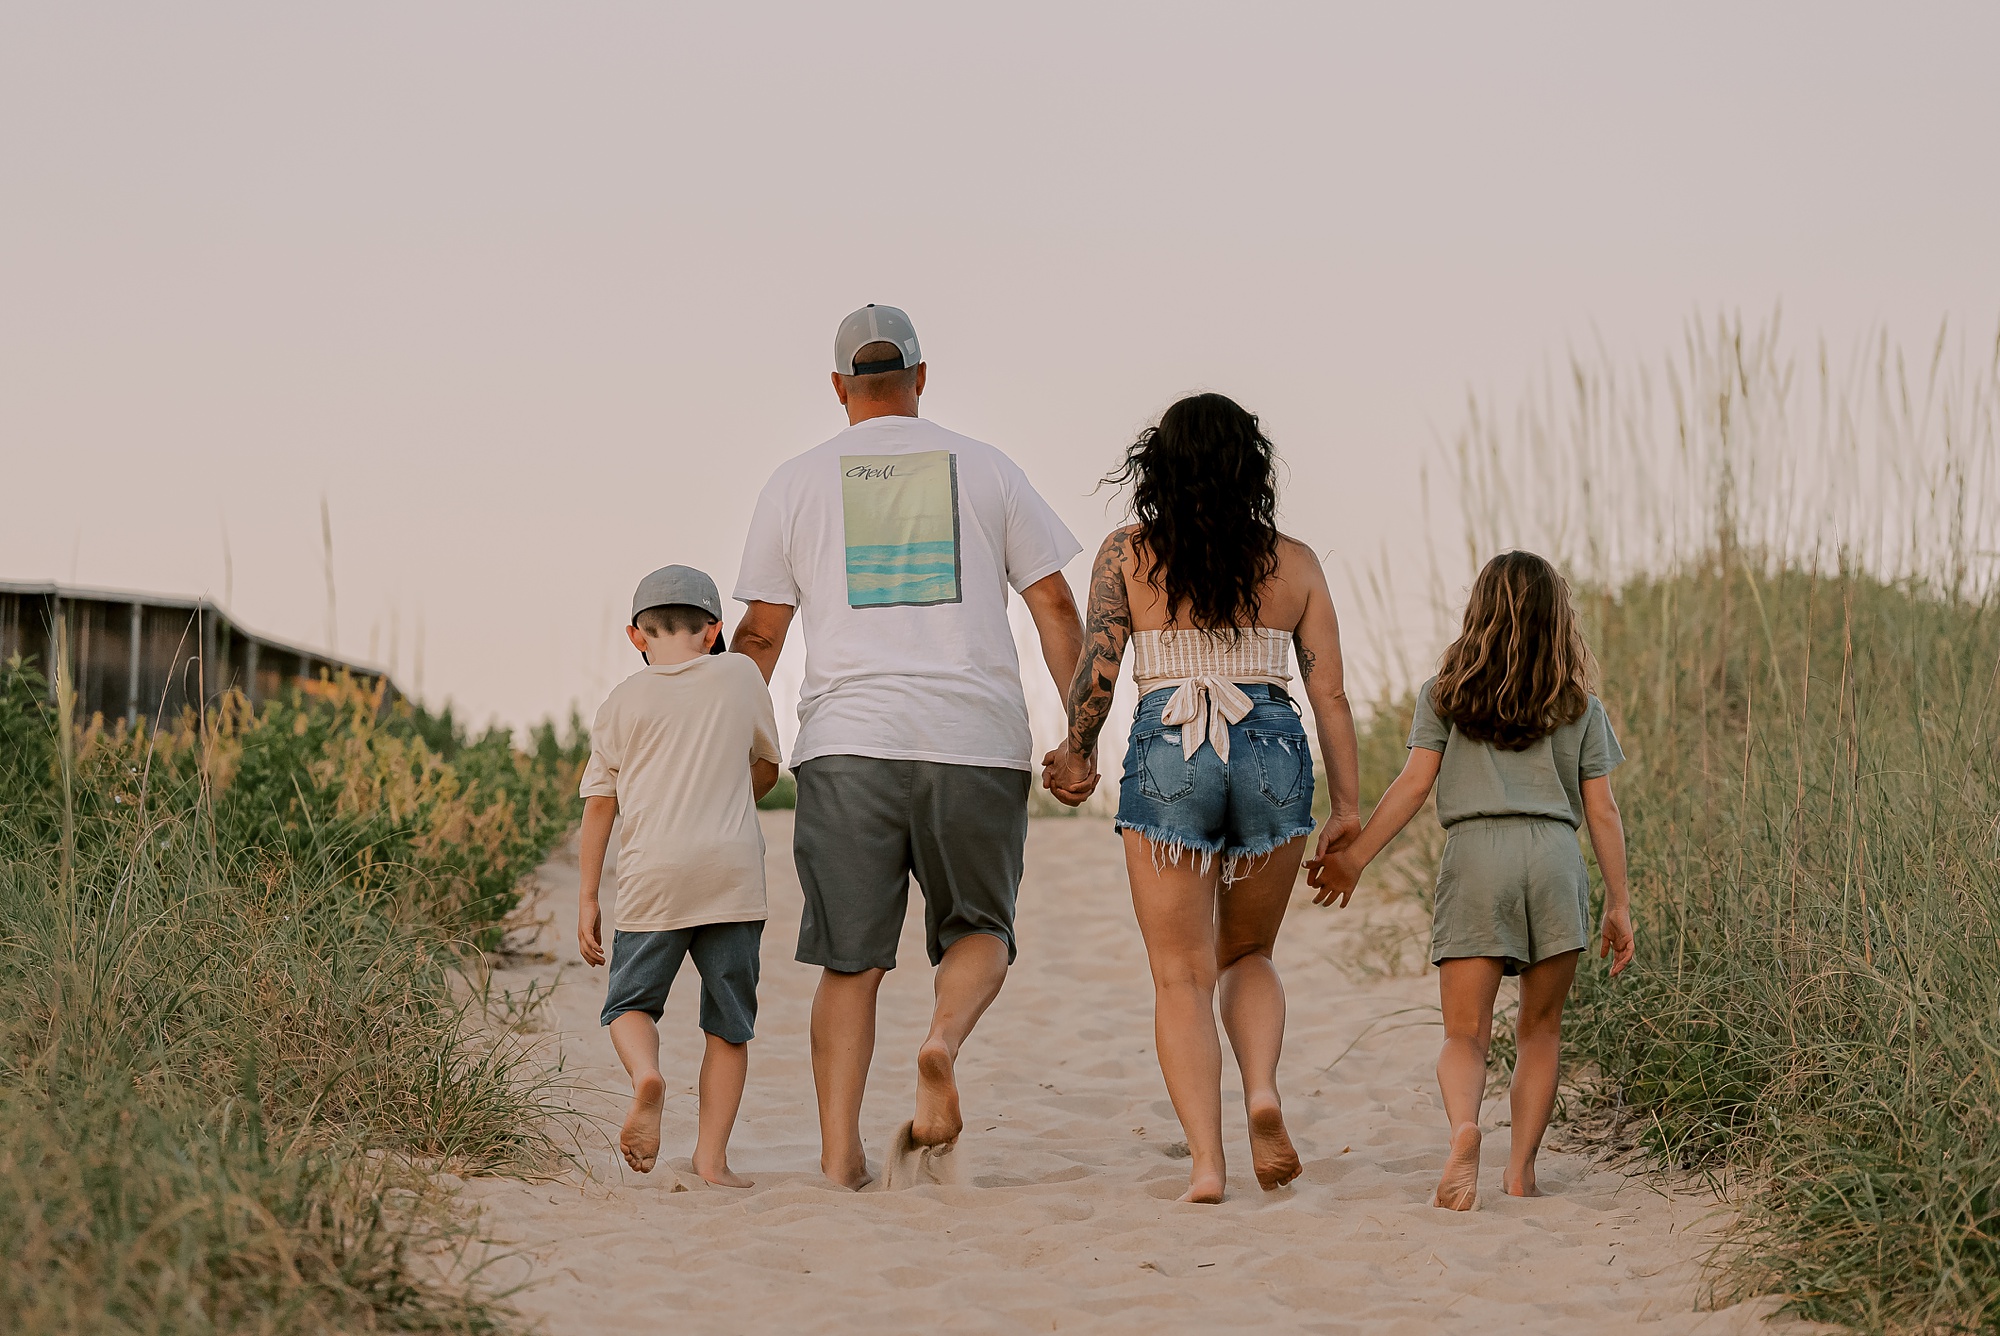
(673, 744)
(897, 541)
(1205, 670)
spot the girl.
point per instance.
(1519, 752)
(1216, 804)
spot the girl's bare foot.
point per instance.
(720, 1175)
(1271, 1153)
(937, 1122)
(1204, 1189)
(1458, 1189)
(639, 1139)
(1523, 1186)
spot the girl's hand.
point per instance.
(1335, 878)
(1618, 942)
(590, 932)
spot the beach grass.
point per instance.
(1787, 580)
(237, 1039)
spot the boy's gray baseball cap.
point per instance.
(677, 584)
(875, 324)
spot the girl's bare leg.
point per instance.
(1253, 1001)
(637, 1040)
(724, 1068)
(1175, 905)
(1538, 1037)
(1466, 989)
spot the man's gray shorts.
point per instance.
(865, 825)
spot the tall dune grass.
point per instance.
(1788, 579)
(233, 1044)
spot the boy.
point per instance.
(682, 750)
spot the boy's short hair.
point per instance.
(673, 619)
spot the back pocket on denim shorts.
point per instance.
(1165, 773)
(1284, 765)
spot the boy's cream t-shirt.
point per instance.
(673, 744)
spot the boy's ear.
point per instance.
(637, 637)
(708, 637)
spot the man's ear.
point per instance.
(637, 637)
(840, 388)
(922, 367)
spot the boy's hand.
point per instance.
(1334, 877)
(590, 932)
(1618, 941)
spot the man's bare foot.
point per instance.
(1271, 1153)
(639, 1139)
(1204, 1189)
(1523, 1186)
(850, 1173)
(937, 1122)
(720, 1175)
(1458, 1189)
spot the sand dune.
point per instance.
(1055, 1211)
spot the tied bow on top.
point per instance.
(1205, 706)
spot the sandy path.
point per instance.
(1059, 1213)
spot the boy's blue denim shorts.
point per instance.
(643, 966)
(1261, 798)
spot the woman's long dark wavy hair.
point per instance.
(1519, 669)
(1205, 494)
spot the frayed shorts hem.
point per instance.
(1169, 846)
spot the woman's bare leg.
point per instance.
(1250, 912)
(1175, 905)
(1466, 989)
(1538, 1040)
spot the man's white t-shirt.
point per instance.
(897, 541)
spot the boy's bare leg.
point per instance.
(724, 1068)
(1538, 1039)
(1466, 988)
(967, 981)
(843, 1043)
(1175, 905)
(1253, 1002)
(637, 1040)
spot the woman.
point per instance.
(1216, 803)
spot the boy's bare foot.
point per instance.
(1458, 1189)
(720, 1175)
(1271, 1154)
(850, 1174)
(1524, 1186)
(639, 1139)
(1204, 1189)
(937, 1122)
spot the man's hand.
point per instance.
(1618, 942)
(590, 932)
(1070, 777)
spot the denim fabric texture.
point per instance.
(1202, 806)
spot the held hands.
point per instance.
(590, 932)
(1071, 777)
(1332, 871)
(1618, 942)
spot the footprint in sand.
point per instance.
(910, 1164)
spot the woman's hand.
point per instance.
(1618, 943)
(1072, 778)
(1341, 830)
(1334, 877)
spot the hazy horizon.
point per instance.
(534, 299)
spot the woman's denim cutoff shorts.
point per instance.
(1260, 799)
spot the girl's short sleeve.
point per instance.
(1599, 753)
(1426, 729)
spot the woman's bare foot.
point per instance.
(720, 1175)
(1204, 1189)
(937, 1122)
(639, 1139)
(1522, 1186)
(1458, 1189)
(1271, 1154)
(850, 1173)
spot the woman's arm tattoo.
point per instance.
(1106, 627)
(1306, 658)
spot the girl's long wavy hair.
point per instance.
(1519, 669)
(1205, 495)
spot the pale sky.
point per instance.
(535, 296)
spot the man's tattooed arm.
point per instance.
(1107, 625)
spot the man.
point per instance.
(895, 544)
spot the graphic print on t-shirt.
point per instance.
(901, 513)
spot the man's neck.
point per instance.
(860, 410)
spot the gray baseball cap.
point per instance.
(677, 584)
(875, 324)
